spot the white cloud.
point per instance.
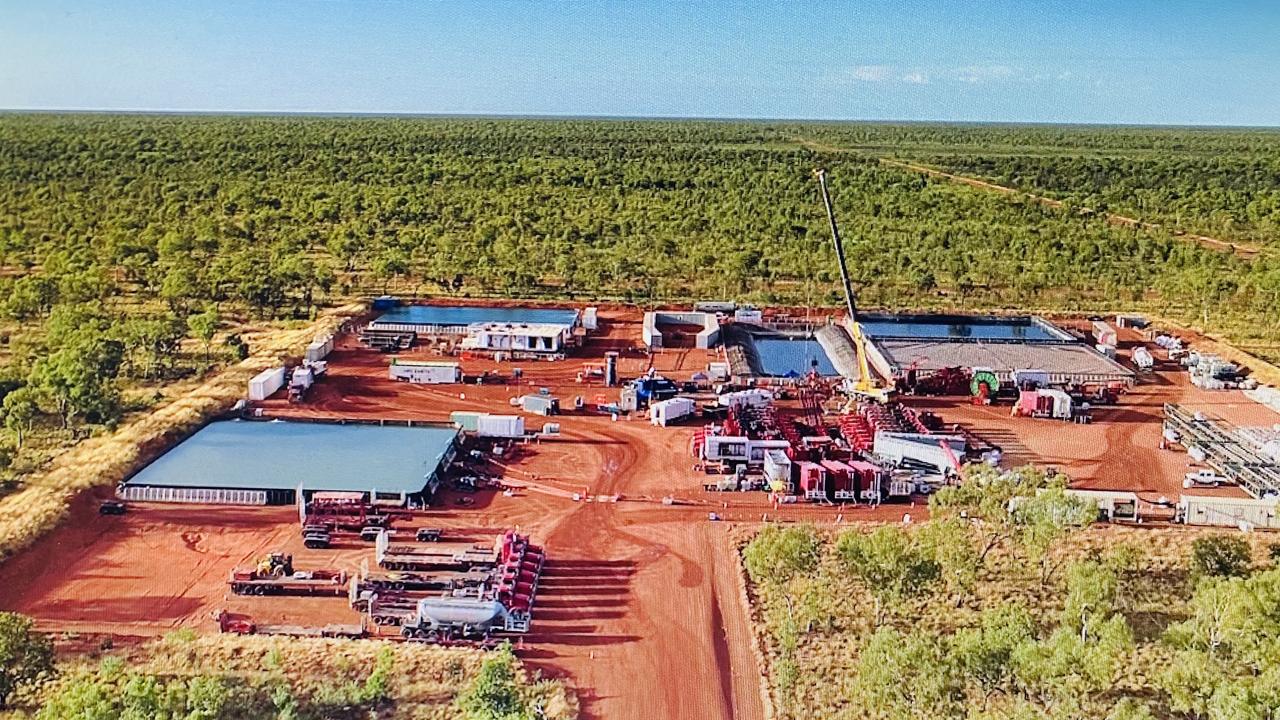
(871, 73)
(916, 78)
(982, 73)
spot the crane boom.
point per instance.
(835, 238)
(865, 385)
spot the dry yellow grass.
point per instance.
(107, 459)
(425, 680)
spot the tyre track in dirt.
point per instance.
(671, 651)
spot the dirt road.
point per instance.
(1244, 250)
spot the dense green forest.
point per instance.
(1221, 182)
(127, 241)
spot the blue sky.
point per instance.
(1126, 61)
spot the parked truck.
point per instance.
(444, 619)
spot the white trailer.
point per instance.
(425, 372)
(266, 383)
(1237, 512)
(666, 412)
(937, 451)
(500, 426)
(319, 349)
(754, 397)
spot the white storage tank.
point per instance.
(500, 426)
(266, 383)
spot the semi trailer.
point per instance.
(435, 556)
(275, 575)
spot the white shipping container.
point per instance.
(319, 349)
(590, 321)
(500, 426)
(266, 383)
(748, 315)
(1244, 513)
(425, 373)
(668, 411)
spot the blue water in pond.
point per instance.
(278, 455)
(456, 315)
(976, 329)
(780, 357)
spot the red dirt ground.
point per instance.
(641, 607)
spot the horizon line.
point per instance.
(601, 116)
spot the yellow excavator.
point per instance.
(867, 385)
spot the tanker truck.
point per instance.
(444, 619)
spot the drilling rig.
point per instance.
(866, 386)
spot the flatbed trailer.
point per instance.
(408, 581)
(328, 583)
(435, 556)
(245, 625)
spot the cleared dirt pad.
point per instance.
(640, 608)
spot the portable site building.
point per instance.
(466, 420)
(665, 412)
(522, 337)
(540, 404)
(266, 383)
(1244, 513)
(590, 319)
(425, 372)
(735, 448)
(777, 470)
(500, 426)
(1113, 506)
